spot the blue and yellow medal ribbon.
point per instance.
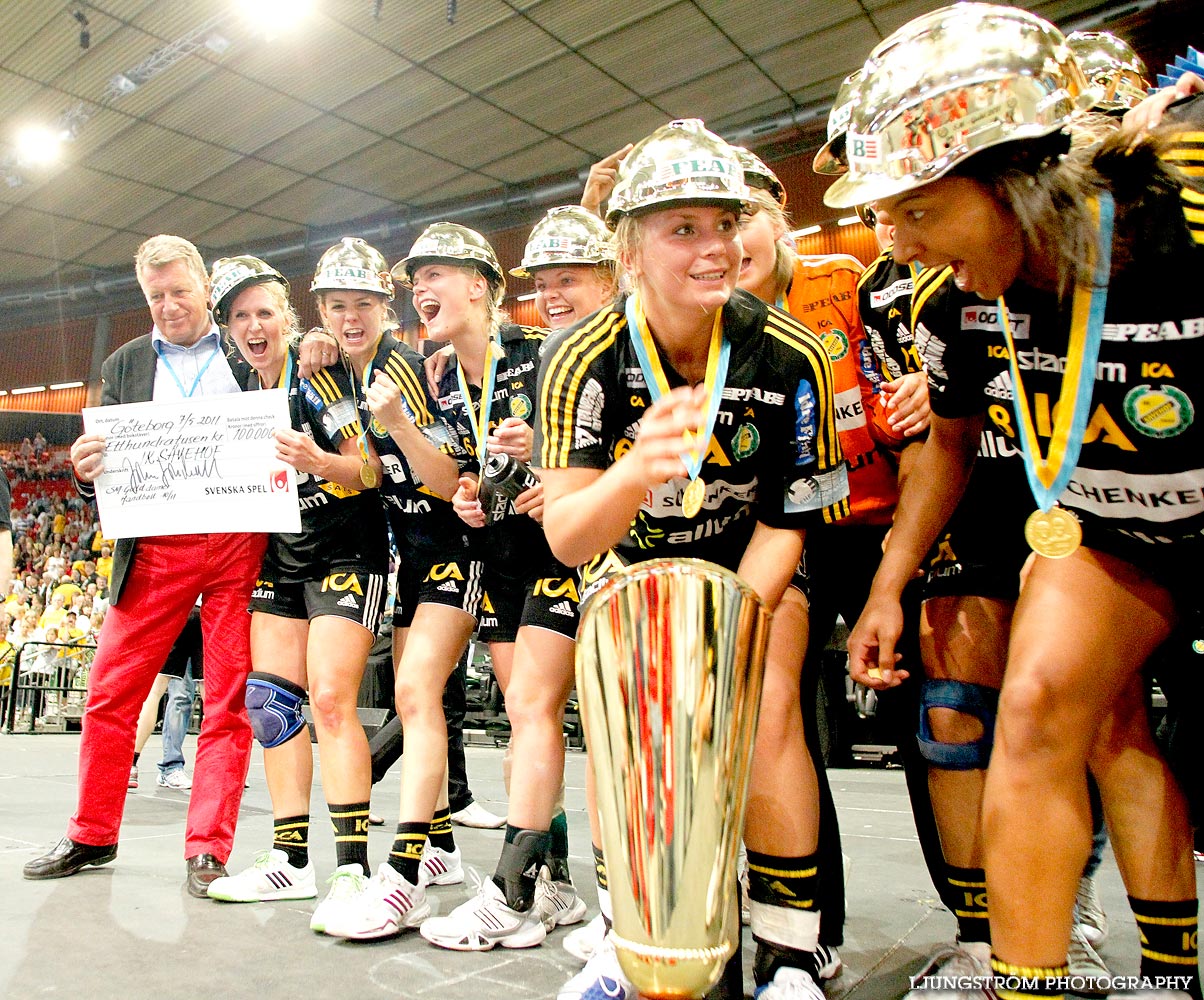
(368, 474)
(1048, 476)
(480, 420)
(718, 356)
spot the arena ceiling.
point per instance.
(373, 112)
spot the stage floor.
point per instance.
(130, 930)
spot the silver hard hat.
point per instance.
(757, 174)
(830, 158)
(230, 275)
(455, 244)
(680, 161)
(1113, 67)
(567, 235)
(352, 265)
(948, 84)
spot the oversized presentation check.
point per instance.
(194, 465)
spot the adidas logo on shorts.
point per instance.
(1000, 386)
(563, 608)
(349, 601)
(450, 586)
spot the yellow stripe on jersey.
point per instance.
(927, 283)
(1193, 213)
(1186, 157)
(926, 277)
(406, 379)
(534, 332)
(329, 392)
(325, 386)
(794, 334)
(562, 383)
(868, 273)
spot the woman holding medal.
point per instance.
(438, 583)
(1100, 378)
(724, 450)
(486, 395)
(316, 606)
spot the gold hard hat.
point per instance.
(230, 275)
(830, 158)
(352, 265)
(568, 234)
(681, 161)
(948, 84)
(1111, 65)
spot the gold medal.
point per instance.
(368, 476)
(1053, 533)
(691, 499)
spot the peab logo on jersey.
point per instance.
(986, 317)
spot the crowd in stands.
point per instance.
(34, 460)
(61, 561)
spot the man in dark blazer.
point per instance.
(155, 582)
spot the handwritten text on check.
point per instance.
(196, 465)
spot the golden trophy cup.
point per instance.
(670, 661)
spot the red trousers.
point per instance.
(164, 580)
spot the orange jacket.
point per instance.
(823, 295)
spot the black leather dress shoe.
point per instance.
(67, 858)
(203, 869)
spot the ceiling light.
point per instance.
(66, 385)
(526, 298)
(38, 145)
(808, 231)
(849, 220)
(217, 43)
(28, 389)
(121, 84)
(274, 17)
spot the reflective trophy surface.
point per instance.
(670, 662)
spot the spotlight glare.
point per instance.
(271, 18)
(38, 145)
(849, 220)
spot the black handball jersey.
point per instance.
(516, 536)
(339, 526)
(773, 457)
(884, 300)
(1140, 473)
(419, 517)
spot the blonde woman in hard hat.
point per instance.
(529, 612)
(317, 604)
(438, 591)
(618, 489)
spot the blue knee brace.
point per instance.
(274, 705)
(960, 696)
